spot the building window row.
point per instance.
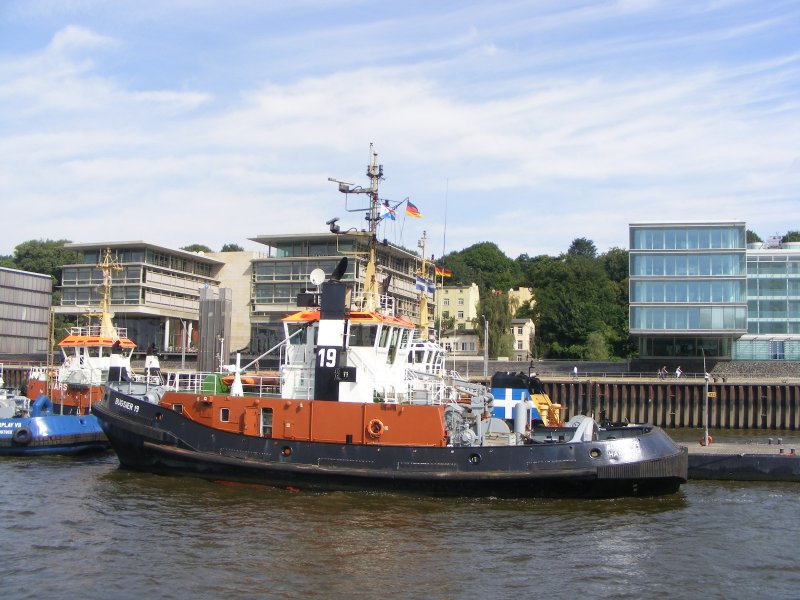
(688, 265)
(296, 270)
(773, 287)
(139, 255)
(88, 296)
(688, 238)
(314, 248)
(94, 276)
(689, 318)
(277, 293)
(683, 291)
(685, 346)
(780, 269)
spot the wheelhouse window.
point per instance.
(224, 414)
(363, 335)
(302, 337)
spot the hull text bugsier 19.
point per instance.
(361, 402)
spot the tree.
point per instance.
(484, 264)
(445, 323)
(7, 261)
(196, 248)
(232, 248)
(44, 256)
(494, 306)
(615, 263)
(582, 247)
(791, 236)
(596, 347)
(575, 297)
(752, 237)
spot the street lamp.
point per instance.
(485, 346)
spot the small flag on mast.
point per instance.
(387, 212)
(411, 210)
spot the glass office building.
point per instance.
(688, 288)
(773, 302)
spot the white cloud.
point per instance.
(74, 37)
(527, 154)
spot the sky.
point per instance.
(524, 123)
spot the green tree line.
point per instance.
(580, 298)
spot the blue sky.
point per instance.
(523, 123)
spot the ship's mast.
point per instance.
(106, 266)
(375, 174)
(423, 293)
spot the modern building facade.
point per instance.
(155, 291)
(24, 314)
(773, 304)
(698, 288)
(283, 271)
(688, 288)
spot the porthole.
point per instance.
(286, 451)
(474, 459)
(595, 453)
(159, 416)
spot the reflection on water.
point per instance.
(104, 532)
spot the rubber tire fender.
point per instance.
(21, 437)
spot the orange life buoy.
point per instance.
(375, 428)
(703, 440)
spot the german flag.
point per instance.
(440, 272)
(412, 211)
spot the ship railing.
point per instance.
(95, 331)
(191, 381)
(386, 304)
(151, 379)
(427, 387)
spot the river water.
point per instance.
(83, 528)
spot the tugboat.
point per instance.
(31, 428)
(89, 354)
(364, 402)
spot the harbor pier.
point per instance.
(674, 403)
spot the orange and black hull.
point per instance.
(150, 437)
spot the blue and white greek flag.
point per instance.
(505, 399)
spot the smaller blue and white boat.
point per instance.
(32, 429)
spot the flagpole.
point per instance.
(444, 233)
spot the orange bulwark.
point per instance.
(316, 421)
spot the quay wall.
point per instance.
(762, 405)
(766, 404)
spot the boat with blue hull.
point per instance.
(32, 429)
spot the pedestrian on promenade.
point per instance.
(678, 372)
(575, 371)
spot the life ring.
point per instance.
(21, 437)
(703, 440)
(375, 428)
